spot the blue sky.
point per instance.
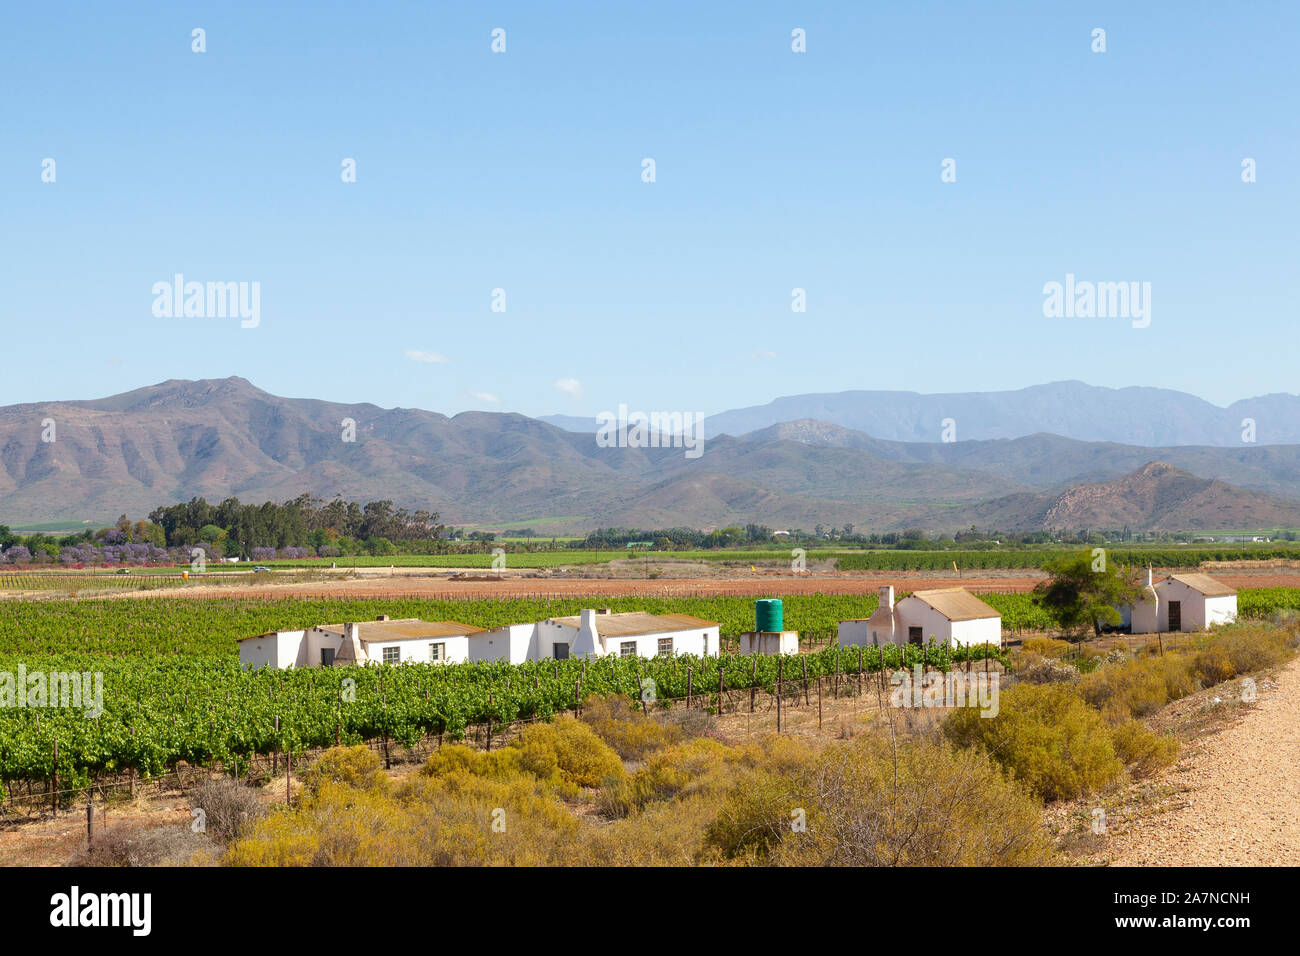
(522, 171)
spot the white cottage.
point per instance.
(1181, 602)
(596, 634)
(949, 615)
(382, 641)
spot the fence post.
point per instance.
(90, 819)
(55, 789)
(819, 703)
(780, 673)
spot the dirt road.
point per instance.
(1240, 802)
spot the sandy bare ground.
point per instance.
(1236, 797)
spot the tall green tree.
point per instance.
(1085, 590)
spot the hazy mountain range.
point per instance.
(1154, 417)
(219, 438)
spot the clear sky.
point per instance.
(522, 170)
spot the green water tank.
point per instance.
(768, 616)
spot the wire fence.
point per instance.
(797, 699)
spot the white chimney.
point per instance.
(1148, 577)
(351, 632)
(886, 600)
(588, 641)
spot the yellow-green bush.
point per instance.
(564, 753)
(1045, 646)
(1252, 647)
(1045, 736)
(1213, 665)
(357, 766)
(857, 804)
(1131, 689)
(583, 759)
(630, 732)
(1142, 750)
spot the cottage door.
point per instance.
(327, 657)
(1175, 615)
(914, 635)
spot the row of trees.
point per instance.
(305, 522)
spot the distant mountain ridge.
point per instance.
(1152, 417)
(224, 437)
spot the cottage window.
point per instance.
(627, 649)
(665, 647)
(392, 655)
(437, 652)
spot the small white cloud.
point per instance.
(570, 386)
(486, 397)
(760, 354)
(419, 355)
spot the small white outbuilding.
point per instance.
(769, 642)
(383, 641)
(949, 615)
(597, 634)
(1181, 602)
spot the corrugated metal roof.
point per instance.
(1204, 584)
(956, 604)
(632, 623)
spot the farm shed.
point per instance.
(949, 615)
(1181, 602)
(381, 641)
(597, 634)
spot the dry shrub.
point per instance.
(854, 804)
(1131, 689)
(457, 819)
(1143, 751)
(663, 834)
(583, 759)
(565, 753)
(357, 766)
(686, 722)
(699, 766)
(1253, 647)
(228, 806)
(139, 845)
(1213, 665)
(1045, 646)
(1047, 670)
(630, 732)
(1045, 736)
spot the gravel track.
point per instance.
(1240, 792)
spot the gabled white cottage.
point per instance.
(949, 615)
(383, 641)
(1181, 602)
(596, 634)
